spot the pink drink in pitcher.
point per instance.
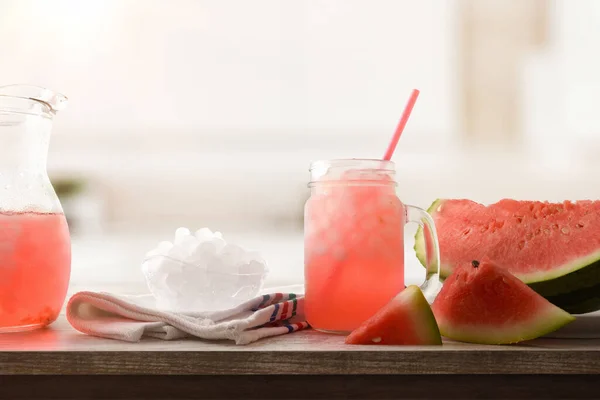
(35, 265)
(354, 242)
(35, 246)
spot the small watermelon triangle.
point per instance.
(483, 303)
(406, 320)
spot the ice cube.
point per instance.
(219, 243)
(253, 267)
(197, 258)
(204, 235)
(232, 256)
(188, 245)
(180, 234)
(215, 264)
(177, 253)
(206, 248)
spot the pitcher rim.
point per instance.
(53, 100)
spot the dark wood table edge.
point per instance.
(508, 362)
(443, 386)
(324, 374)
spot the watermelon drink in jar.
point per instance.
(354, 243)
(35, 248)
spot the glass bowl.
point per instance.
(182, 286)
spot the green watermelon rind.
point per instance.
(574, 287)
(545, 323)
(430, 330)
(420, 237)
(577, 292)
(562, 271)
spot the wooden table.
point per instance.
(61, 363)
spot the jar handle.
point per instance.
(432, 285)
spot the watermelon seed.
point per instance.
(565, 230)
(376, 340)
(466, 231)
(546, 231)
(521, 244)
(529, 236)
(475, 263)
(538, 231)
(519, 219)
(554, 226)
(580, 225)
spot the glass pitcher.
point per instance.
(354, 243)
(35, 246)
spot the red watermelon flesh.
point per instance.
(406, 320)
(483, 303)
(536, 241)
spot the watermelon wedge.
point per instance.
(406, 320)
(482, 303)
(553, 247)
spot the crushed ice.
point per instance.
(202, 272)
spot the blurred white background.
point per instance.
(207, 113)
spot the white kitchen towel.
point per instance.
(131, 318)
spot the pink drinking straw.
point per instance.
(403, 120)
(388, 155)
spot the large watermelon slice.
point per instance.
(406, 320)
(482, 303)
(553, 247)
